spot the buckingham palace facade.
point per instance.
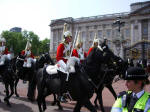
(135, 29)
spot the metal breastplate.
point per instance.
(66, 51)
(27, 53)
(81, 53)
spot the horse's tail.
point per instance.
(32, 87)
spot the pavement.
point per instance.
(22, 104)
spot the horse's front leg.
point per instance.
(7, 95)
(55, 100)
(109, 86)
(99, 95)
(89, 106)
(95, 102)
(16, 82)
(31, 90)
(12, 90)
(39, 100)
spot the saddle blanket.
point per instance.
(53, 69)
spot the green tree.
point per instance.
(34, 41)
(14, 41)
(44, 45)
(17, 41)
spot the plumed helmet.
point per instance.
(96, 39)
(79, 40)
(135, 73)
(28, 45)
(65, 32)
(104, 38)
(65, 27)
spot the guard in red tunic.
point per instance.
(78, 51)
(29, 57)
(94, 45)
(63, 54)
(64, 49)
(4, 53)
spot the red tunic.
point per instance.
(23, 53)
(60, 54)
(75, 53)
(6, 51)
(90, 50)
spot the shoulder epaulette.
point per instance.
(121, 94)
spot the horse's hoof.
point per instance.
(53, 103)
(5, 100)
(44, 109)
(31, 99)
(17, 95)
(60, 108)
(96, 106)
(8, 104)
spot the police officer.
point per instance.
(136, 99)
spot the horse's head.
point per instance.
(20, 60)
(95, 57)
(120, 66)
(45, 58)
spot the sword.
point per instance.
(74, 42)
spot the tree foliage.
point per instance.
(16, 42)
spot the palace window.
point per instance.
(99, 33)
(91, 35)
(145, 29)
(108, 33)
(127, 33)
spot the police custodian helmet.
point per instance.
(135, 73)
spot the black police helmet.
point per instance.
(135, 73)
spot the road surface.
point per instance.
(22, 104)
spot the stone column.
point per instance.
(140, 31)
(57, 37)
(149, 29)
(132, 33)
(51, 40)
(121, 50)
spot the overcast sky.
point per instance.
(36, 15)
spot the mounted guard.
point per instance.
(29, 57)
(4, 53)
(78, 50)
(64, 49)
(63, 55)
(95, 44)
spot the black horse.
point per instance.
(28, 74)
(80, 84)
(8, 77)
(116, 66)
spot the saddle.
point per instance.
(52, 71)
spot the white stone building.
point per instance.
(136, 28)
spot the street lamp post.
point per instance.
(119, 39)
